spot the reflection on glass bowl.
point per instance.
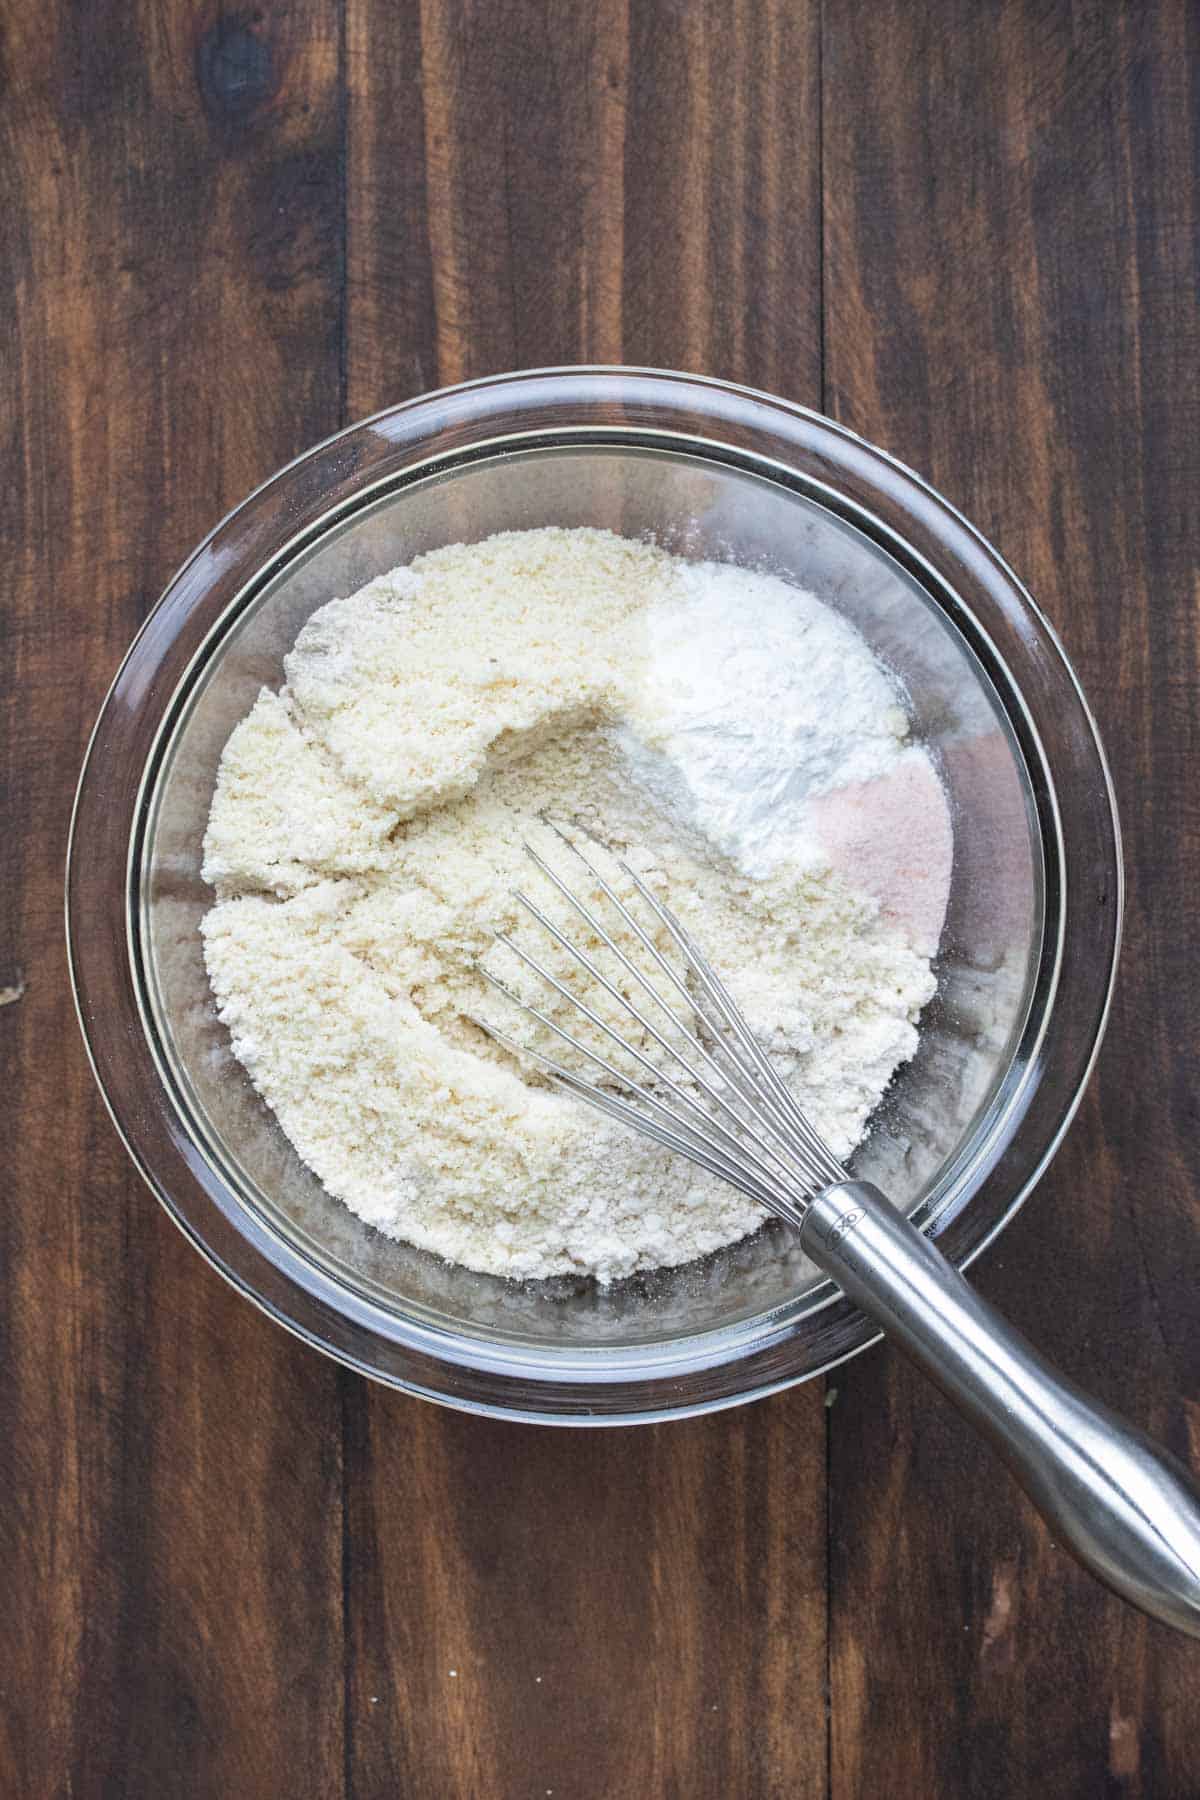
(1027, 953)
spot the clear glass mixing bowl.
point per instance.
(1027, 957)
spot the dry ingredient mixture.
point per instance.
(731, 736)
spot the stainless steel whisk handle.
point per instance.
(1126, 1508)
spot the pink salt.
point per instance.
(892, 838)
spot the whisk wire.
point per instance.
(683, 1138)
(780, 1124)
(717, 992)
(772, 1154)
(782, 1156)
(618, 1075)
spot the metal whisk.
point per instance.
(692, 1077)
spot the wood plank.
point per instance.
(722, 157)
(1010, 286)
(170, 1519)
(485, 155)
(527, 184)
(624, 1612)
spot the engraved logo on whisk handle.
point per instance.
(843, 1226)
(836, 1215)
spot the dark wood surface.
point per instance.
(969, 230)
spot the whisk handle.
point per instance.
(1126, 1508)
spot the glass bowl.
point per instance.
(1027, 956)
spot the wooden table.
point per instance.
(967, 230)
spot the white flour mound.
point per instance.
(366, 833)
(743, 741)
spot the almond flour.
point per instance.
(367, 829)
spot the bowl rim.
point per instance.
(440, 1363)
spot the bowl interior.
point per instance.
(946, 1117)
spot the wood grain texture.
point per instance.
(630, 1613)
(1010, 287)
(230, 1569)
(638, 1612)
(170, 1489)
